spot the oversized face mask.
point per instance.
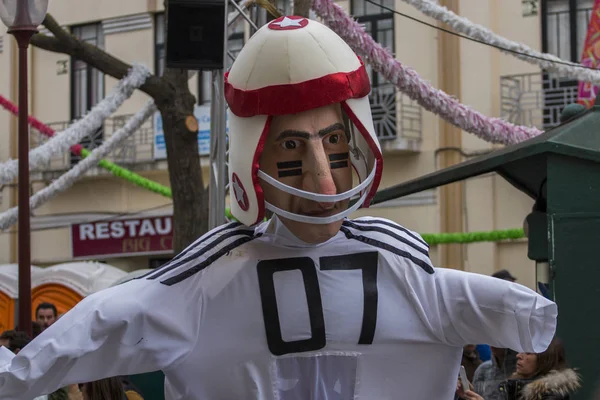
(296, 76)
(308, 152)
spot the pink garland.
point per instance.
(494, 130)
(37, 124)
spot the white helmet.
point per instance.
(292, 65)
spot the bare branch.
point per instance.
(64, 42)
(47, 43)
(267, 5)
(57, 30)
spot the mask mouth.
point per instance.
(320, 210)
(330, 200)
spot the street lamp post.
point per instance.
(22, 17)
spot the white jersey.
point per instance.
(253, 313)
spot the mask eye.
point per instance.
(334, 139)
(290, 144)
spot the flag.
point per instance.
(590, 57)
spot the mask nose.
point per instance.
(317, 176)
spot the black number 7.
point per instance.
(367, 262)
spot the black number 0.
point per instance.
(367, 262)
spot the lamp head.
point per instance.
(23, 14)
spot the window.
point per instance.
(379, 22)
(87, 83)
(160, 54)
(565, 24)
(564, 30)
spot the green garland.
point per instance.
(430, 238)
(473, 237)
(132, 177)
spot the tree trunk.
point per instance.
(302, 7)
(190, 206)
(172, 96)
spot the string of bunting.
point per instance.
(518, 50)
(59, 143)
(65, 181)
(494, 130)
(80, 151)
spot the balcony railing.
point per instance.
(397, 119)
(135, 150)
(536, 99)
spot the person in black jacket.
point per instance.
(539, 376)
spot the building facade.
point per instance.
(103, 218)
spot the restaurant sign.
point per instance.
(123, 237)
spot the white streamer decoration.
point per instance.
(93, 120)
(494, 130)
(544, 60)
(65, 181)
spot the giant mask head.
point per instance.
(299, 118)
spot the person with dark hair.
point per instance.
(539, 376)
(14, 340)
(45, 314)
(103, 389)
(470, 360)
(505, 275)
(131, 391)
(490, 374)
(499, 364)
(36, 329)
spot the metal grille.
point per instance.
(383, 109)
(411, 118)
(536, 99)
(394, 114)
(139, 147)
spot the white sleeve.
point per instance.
(139, 326)
(465, 308)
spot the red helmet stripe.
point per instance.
(298, 97)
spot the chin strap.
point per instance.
(316, 220)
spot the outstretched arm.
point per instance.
(136, 327)
(462, 308)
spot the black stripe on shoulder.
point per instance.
(200, 248)
(352, 224)
(204, 250)
(370, 241)
(204, 238)
(197, 268)
(187, 250)
(392, 225)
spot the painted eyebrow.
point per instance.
(291, 133)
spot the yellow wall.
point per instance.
(69, 12)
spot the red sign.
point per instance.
(138, 236)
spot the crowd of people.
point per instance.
(503, 374)
(115, 388)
